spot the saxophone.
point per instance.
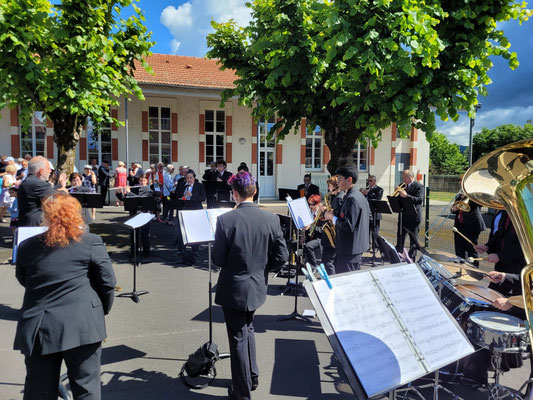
(329, 228)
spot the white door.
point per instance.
(267, 181)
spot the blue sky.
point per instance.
(180, 27)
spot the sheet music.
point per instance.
(301, 214)
(212, 215)
(139, 220)
(26, 232)
(437, 336)
(196, 227)
(370, 335)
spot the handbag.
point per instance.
(201, 363)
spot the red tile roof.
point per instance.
(182, 71)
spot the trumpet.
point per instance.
(397, 191)
(363, 189)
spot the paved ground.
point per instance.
(149, 341)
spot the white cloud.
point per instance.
(190, 22)
(458, 132)
(174, 46)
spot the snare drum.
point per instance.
(435, 272)
(498, 331)
(463, 300)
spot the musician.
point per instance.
(248, 243)
(313, 242)
(469, 223)
(144, 191)
(103, 179)
(34, 189)
(351, 223)
(77, 186)
(414, 191)
(210, 174)
(335, 196)
(134, 173)
(373, 192)
(69, 286)
(223, 190)
(308, 188)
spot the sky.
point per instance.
(180, 27)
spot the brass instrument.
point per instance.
(363, 189)
(462, 205)
(503, 179)
(329, 228)
(397, 191)
(315, 222)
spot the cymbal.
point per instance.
(443, 256)
(474, 272)
(516, 301)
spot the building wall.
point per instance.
(187, 109)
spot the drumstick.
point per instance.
(464, 237)
(472, 259)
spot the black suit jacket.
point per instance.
(352, 225)
(506, 245)
(223, 190)
(103, 176)
(312, 189)
(248, 243)
(375, 193)
(415, 191)
(68, 291)
(210, 175)
(472, 220)
(198, 195)
(30, 194)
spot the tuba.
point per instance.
(503, 179)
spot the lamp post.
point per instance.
(472, 123)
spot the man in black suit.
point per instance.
(103, 179)
(351, 223)
(308, 188)
(248, 243)
(414, 191)
(469, 223)
(373, 192)
(223, 189)
(33, 189)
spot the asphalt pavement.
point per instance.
(149, 341)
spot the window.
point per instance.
(159, 141)
(215, 131)
(98, 142)
(266, 147)
(33, 140)
(313, 149)
(360, 156)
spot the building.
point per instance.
(181, 122)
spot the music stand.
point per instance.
(283, 193)
(402, 206)
(224, 204)
(134, 223)
(211, 193)
(137, 203)
(89, 200)
(377, 206)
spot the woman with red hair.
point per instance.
(69, 286)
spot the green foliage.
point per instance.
(72, 61)
(354, 67)
(491, 139)
(445, 158)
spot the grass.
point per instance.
(441, 196)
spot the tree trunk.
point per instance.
(341, 144)
(67, 132)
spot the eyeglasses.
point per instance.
(312, 204)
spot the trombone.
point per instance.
(397, 191)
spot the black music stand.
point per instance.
(224, 204)
(89, 200)
(135, 223)
(283, 193)
(138, 204)
(287, 229)
(402, 206)
(211, 193)
(377, 206)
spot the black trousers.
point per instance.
(241, 337)
(328, 256)
(167, 210)
(412, 225)
(310, 249)
(464, 249)
(347, 263)
(83, 369)
(103, 191)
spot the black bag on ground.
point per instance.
(201, 363)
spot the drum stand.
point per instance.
(497, 391)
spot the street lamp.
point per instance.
(472, 123)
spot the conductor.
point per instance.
(248, 243)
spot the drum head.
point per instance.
(478, 294)
(496, 321)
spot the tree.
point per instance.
(491, 139)
(72, 61)
(353, 67)
(445, 157)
